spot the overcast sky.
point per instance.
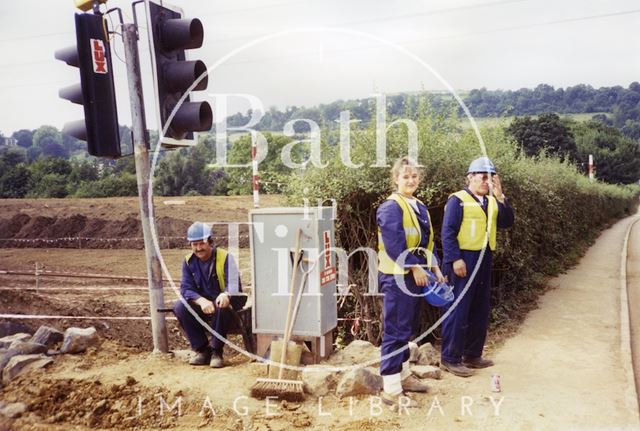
(321, 51)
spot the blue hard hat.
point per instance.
(198, 232)
(436, 293)
(482, 164)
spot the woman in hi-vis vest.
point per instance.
(405, 248)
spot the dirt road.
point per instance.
(565, 368)
(568, 367)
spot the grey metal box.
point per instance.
(272, 238)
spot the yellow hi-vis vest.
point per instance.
(473, 230)
(221, 258)
(412, 234)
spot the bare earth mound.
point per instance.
(115, 222)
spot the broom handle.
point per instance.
(296, 307)
(294, 273)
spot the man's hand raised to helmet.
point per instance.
(497, 188)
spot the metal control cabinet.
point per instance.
(272, 238)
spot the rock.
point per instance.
(357, 352)
(4, 360)
(318, 380)
(10, 328)
(47, 335)
(13, 410)
(360, 381)
(21, 364)
(427, 372)
(375, 371)
(413, 352)
(77, 340)
(20, 348)
(27, 347)
(5, 342)
(428, 355)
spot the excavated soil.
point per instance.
(115, 222)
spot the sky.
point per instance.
(306, 52)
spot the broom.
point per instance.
(290, 390)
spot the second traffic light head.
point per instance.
(170, 35)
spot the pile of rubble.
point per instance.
(354, 370)
(21, 352)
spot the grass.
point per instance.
(505, 121)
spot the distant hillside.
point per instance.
(623, 105)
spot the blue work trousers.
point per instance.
(400, 312)
(464, 331)
(220, 321)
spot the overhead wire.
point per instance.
(390, 18)
(402, 43)
(430, 39)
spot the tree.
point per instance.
(82, 172)
(49, 186)
(49, 140)
(24, 137)
(616, 157)
(122, 185)
(273, 172)
(12, 156)
(71, 144)
(184, 171)
(14, 176)
(49, 178)
(547, 133)
(33, 153)
(14, 182)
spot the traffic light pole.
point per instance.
(141, 153)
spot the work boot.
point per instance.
(456, 369)
(398, 400)
(413, 384)
(216, 360)
(477, 362)
(202, 357)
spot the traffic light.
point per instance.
(92, 55)
(169, 36)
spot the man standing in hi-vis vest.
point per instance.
(210, 284)
(471, 219)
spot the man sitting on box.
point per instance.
(210, 284)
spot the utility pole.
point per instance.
(141, 154)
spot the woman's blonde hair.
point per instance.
(400, 165)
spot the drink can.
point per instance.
(495, 383)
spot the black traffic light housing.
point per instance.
(169, 36)
(92, 55)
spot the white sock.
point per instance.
(392, 384)
(406, 370)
